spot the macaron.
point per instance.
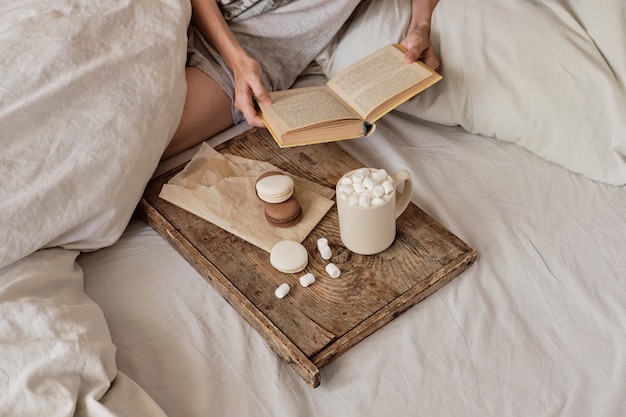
(285, 214)
(274, 187)
(289, 256)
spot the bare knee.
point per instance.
(207, 111)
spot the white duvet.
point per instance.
(536, 327)
(90, 94)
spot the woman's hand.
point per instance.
(418, 45)
(248, 86)
(246, 70)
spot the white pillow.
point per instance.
(374, 24)
(547, 76)
(91, 93)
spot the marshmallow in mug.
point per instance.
(366, 187)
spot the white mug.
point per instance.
(372, 229)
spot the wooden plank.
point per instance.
(324, 163)
(392, 310)
(272, 335)
(312, 325)
(246, 266)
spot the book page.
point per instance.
(300, 107)
(377, 78)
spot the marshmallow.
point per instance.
(379, 175)
(333, 270)
(370, 182)
(364, 200)
(358, 187)
(364, 171)
(282, 290)
(307, 279)
(377, 201)
(322, 246)
(345, 188)
(325, 252)
(375, 182)
(388, 186)
(358, 177)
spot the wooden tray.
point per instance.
(313, 325)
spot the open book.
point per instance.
(350, 102)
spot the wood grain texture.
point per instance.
(312, 325)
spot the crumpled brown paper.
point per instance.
(220, 188)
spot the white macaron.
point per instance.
(289, 256)
(274, 187)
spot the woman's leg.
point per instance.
(207, 111)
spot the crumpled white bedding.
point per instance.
(556, 88)
(57, 355)
(55, 345)
(537, 326)
(90, 94)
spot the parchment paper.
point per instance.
(220, 188)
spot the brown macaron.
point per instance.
(285, 214)
(267, 174)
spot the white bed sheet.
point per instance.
(537, 326)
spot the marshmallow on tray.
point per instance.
(307, 279)
(323, 248)
(282, 290)
(332, 270)
(366, 188)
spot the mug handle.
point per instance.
(405, 198)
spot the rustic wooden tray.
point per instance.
(312, 325)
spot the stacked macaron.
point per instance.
(281, 207)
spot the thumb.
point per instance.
(409, 57)
(430, 58)
(261, 93)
